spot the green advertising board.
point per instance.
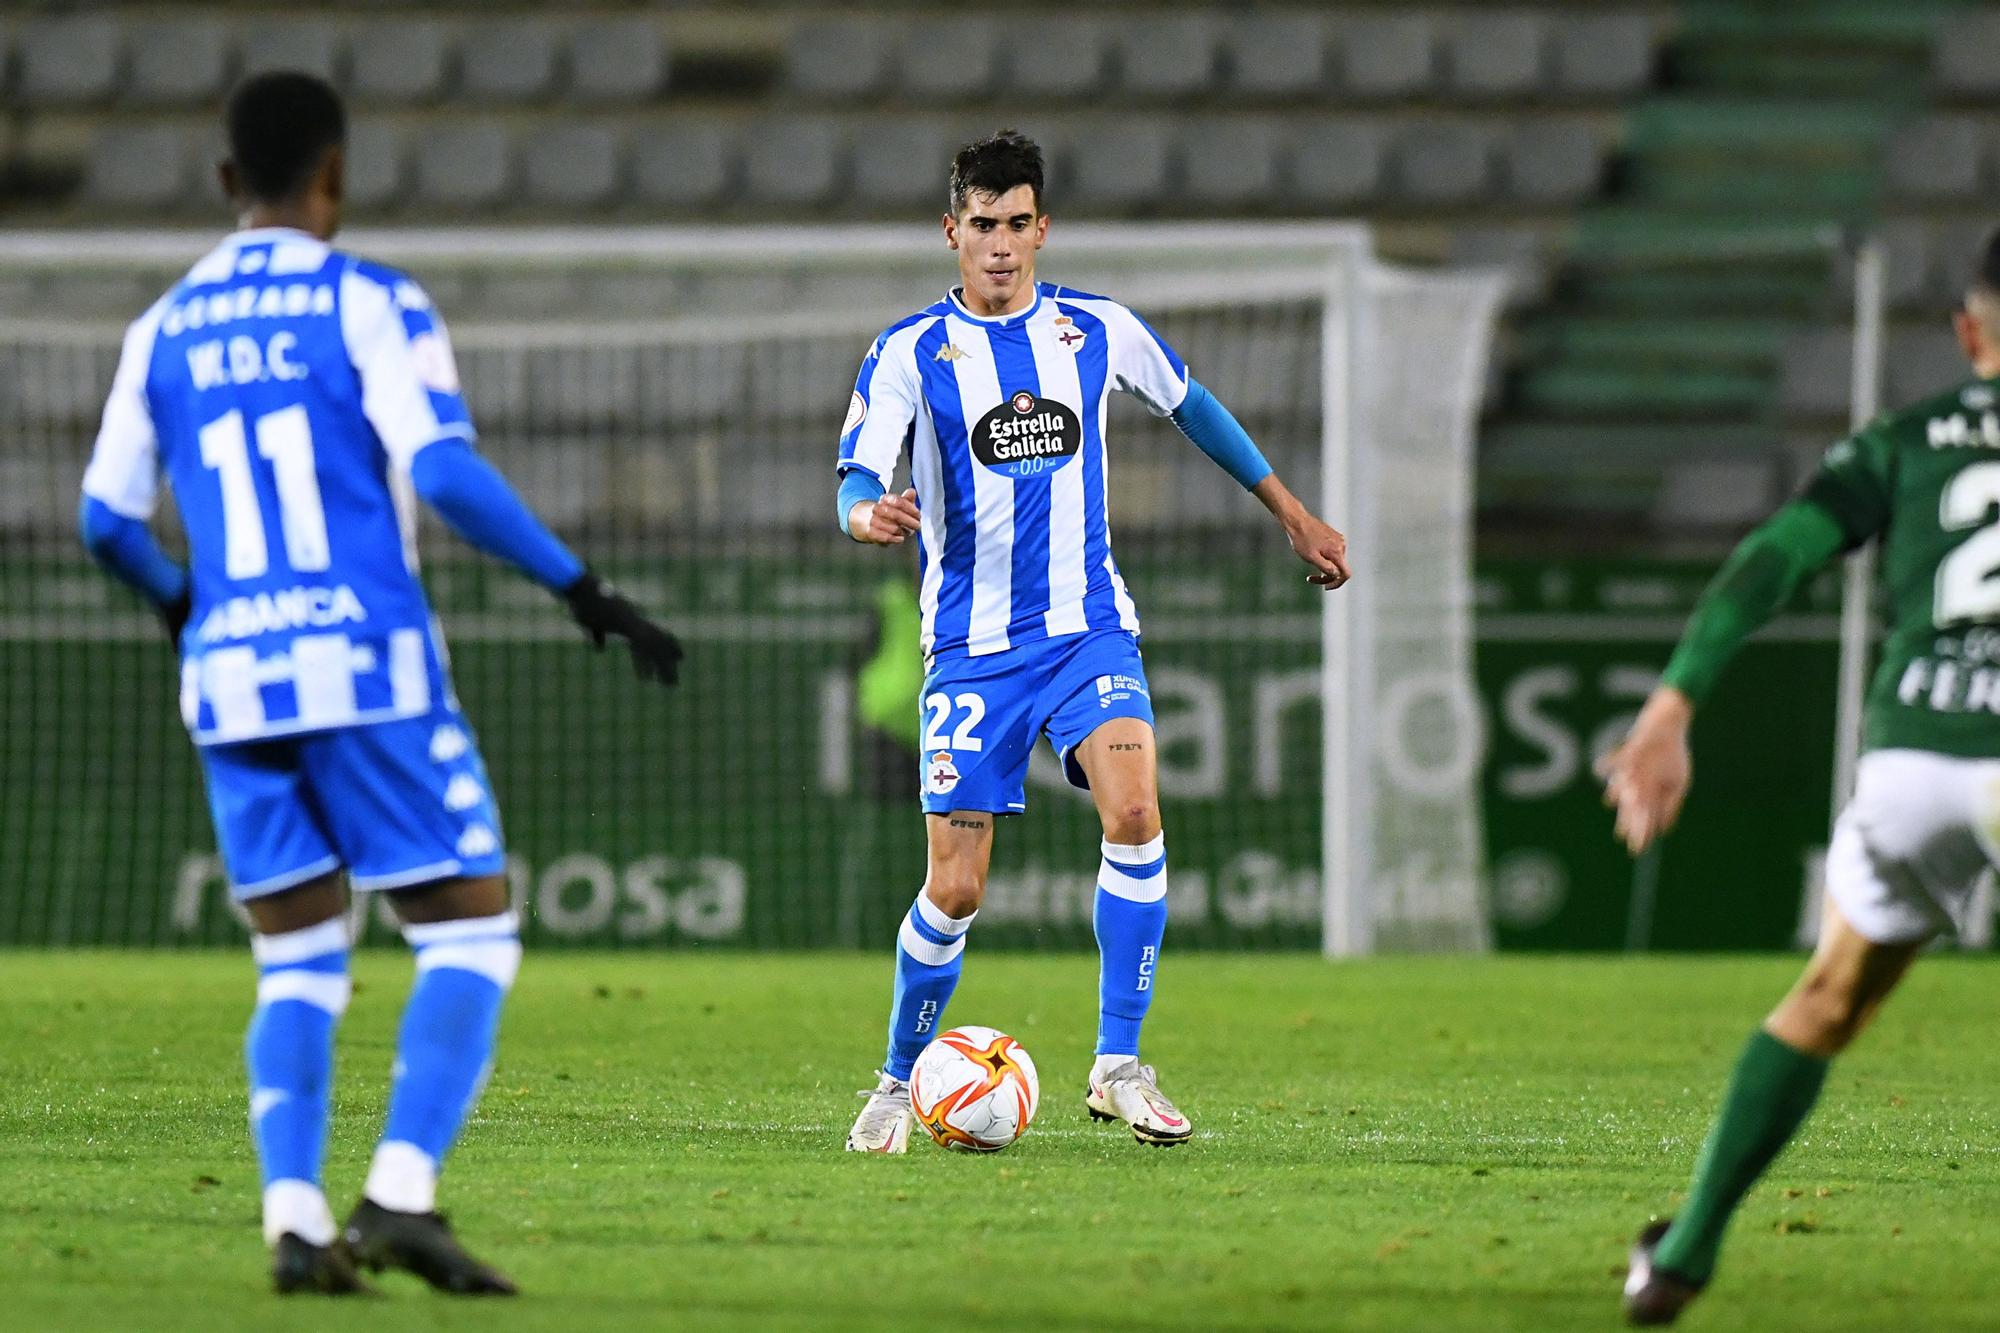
(751, 808)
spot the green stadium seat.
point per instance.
(1553, 161)
(1600, 55)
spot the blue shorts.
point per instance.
(396, 803)
(982, 715)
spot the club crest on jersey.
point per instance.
(1027, 436)
(1070, 336)
(940, 774)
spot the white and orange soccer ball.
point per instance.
(974, 1090)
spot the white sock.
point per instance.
(1101, 1067)
(402, 1178)
(297, 1206)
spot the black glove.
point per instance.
(603, 611)
(174, 615)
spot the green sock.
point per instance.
(1770, 1093)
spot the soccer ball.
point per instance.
(974, 1090)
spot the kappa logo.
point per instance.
(949, 352)
(940, 774)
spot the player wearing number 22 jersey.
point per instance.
(1923, 823)
(998, 396)
(298, 401)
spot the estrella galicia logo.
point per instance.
(1027, 436)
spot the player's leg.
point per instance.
(468, 951)
(409, 805)
(1102, 727)
(978, 731)
(285, 873)
(930, 952)
(1777, 1078)
(1889, 892)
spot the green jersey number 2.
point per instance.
(1968, 580)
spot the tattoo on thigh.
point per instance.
(1127, 745)
(958, 822)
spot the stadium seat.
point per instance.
(1935, 159)
(176, 62)
(1338, 164)
(1492, 55)
(399, 61)
(1907, 248)
(1922, 363)
(463, 165)
(68, 61)
(1553, 162)
(1442, 163)
(1234, 162)
(1121, 165)
(572, 166)
(1386, 56)
(509, 60)
(1963, 57)
(375, 165)
(140, 166)
(312, 46)
(616, 60)
(1066, 60)
(683, 165)
(838, 59)
(1601, 55)
(1170, 57)
(788, 162)
(955, 59)
(1816, 373)
(901, 163)
(1277, 54)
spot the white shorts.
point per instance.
(1909, 848)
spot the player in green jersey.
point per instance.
(1924, 820)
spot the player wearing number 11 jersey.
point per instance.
(1924, 820)
(298, 400)
(998, 395)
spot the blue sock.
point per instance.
(302, 990)
(1131, 917)
(930, 950)
(443, 1052)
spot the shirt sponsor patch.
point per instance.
(1027, 436)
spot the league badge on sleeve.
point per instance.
(857, 412)
(940, 773)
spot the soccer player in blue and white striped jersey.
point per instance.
(998, 394)
(298, 400)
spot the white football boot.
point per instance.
(884, 1123)
(1131, 1092)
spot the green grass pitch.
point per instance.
(1434, 1144)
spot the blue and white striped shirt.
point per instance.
(1004, 421)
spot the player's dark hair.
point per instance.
(1986, 275)
(995, 165)
(280, 126)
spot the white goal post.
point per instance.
(612, 371)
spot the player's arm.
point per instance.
(411, 395)
(1646, 778)
(1145, 366)
(121, 487)
(1216, 432)
(879, 417)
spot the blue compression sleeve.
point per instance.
(125, 546)
(1203, 419)
(855, 487)
(475, 500)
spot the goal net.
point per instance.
(670, 401)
